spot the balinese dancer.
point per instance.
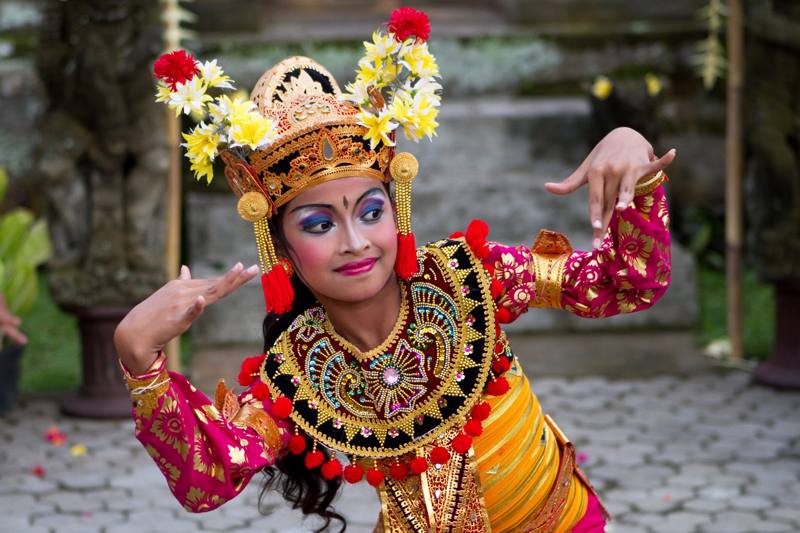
(382, 361)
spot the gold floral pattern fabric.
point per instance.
(628, 272)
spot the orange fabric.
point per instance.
(518, 458)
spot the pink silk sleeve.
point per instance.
(207, 455)
(628, 272)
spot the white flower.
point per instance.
(213, 75)
(381, 46)
(356, 92)
(225, 108)
(188, 97)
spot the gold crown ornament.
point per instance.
(299, 130)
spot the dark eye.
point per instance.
(372, 214)
(317, 225)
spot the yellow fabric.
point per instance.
(518, 458)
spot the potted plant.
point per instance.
(24, 245)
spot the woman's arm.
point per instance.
(206, 452)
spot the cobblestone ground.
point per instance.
(709, 453)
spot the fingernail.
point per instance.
(621, 205)
(252, 269)
(596, 224)
(238, 266)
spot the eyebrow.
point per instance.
(330, 206)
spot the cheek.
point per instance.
(309, 253)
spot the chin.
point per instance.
(359, 288)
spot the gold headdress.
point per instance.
(298, 130)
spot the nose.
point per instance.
(354, 241)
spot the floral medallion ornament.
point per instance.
(395, 381)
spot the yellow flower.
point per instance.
(419, 60)
(189, 96)
(163, 93)
(202, 166)
(378, 127)
(213, 76)
(653, 84)
(381, 46)
(77, 450)
(426, 111)
(356, 92)
(602, 88)
(252, 130)
(368, 72)
(230, 109)
(202, 141)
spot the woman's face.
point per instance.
(342, 238)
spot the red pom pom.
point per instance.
(496, 327)
(398, 471)
(503, 316)
(175, 67)
(489, 270)
(497, 386)
(500, 365)
(406, 22)
(473, 428)
(297, 444)
(456, 234)
(481, 411)
(482, 252)
(353, 473)
(314, 459)
(477, 229)
(499, 347)
(260, 391)
(405, 264)
(278, 291)
(440, 455)
(462, 443)
(496, 288)
(375, 477)
(418, 465)
(332, 469)
(249, 370)
(282, 407)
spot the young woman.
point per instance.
(382, 361)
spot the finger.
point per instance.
(659, 164)
(14, 334)
(185, 273)
(196, 308)
(222, 286)
(568, 185)
(609, 199)
(596, 204)
(243, 277)
(626, 189)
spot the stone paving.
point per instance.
(707, 453)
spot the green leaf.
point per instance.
(13, 228)
(36, 247)
(2, 276)
(21, 289)
(3, 184)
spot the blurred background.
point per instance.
(90, 225)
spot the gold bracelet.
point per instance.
(648, 184)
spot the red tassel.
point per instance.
(332, 469)
(418, 465)
(497, 386)
(314, 459)
(456, 234)
(260, 391)
(375, 477)
(398, 471)
(500, 365)
(477, 229)
(481, 411)
(440, 455)
(462, 443)
(482, 252)
(297, 444)
(353, 473)
(473, 428)
(503, 316)
(282, 407)
(406, 263)
(278, 291)
(496, 288)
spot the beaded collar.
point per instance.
(419, 383)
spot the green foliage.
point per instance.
(709, 59)
(759, 311)
(24, 245)
(52, 356)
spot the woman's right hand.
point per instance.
(169, 312)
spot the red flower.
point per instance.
(406, 21)
(175, 67)
(353, 473)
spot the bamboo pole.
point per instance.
(733, 184)
(173, 223)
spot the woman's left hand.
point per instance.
(612, 169)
